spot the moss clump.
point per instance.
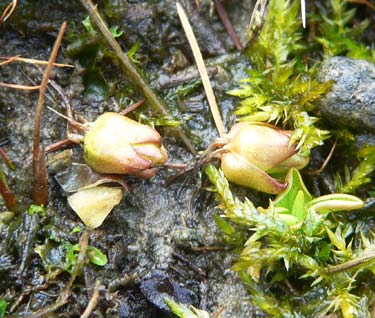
(277, 90)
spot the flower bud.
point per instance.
(256, 149)
(119, 145)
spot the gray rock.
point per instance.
(362, 140)
(351, 101)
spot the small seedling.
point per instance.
(64, 256)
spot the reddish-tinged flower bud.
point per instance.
(118, 145)
(256, 149)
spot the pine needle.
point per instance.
(303, 13)
(8, 11)
(201, 68)
(17, 58)
(16, 86)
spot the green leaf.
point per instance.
(266, 301)
(35, 209)
(335, 202)
(132, 53)
(88, 25)
(3, 307)
(96, 256)
(71, 256)
(338, 239)
(223, 225)
(184, 311)
(296, 188)
(289, 219)
(298, 208)
(114, 31)
(76, 229)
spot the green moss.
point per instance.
(360, 175)
(276, 90)
(339, 35)
(309, 256)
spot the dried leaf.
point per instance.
(94, 204)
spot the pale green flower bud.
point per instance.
(256, 149)
(116, 144)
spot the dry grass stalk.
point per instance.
(8, 60)
(18, 58)
(202, 69)
(17, 86)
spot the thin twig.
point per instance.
(324, 164)
(8, 60)
(131, 70)
(175, 165)
(132, 107)
(351, 264)
(208, 248)
(328, 157)
(8, 11)
(58, 145)
(60, 92)
(202, 68)
(16, 86)
(93, 301)
(218, 312)
(40, 185)
(17, 58)
(227, 24)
